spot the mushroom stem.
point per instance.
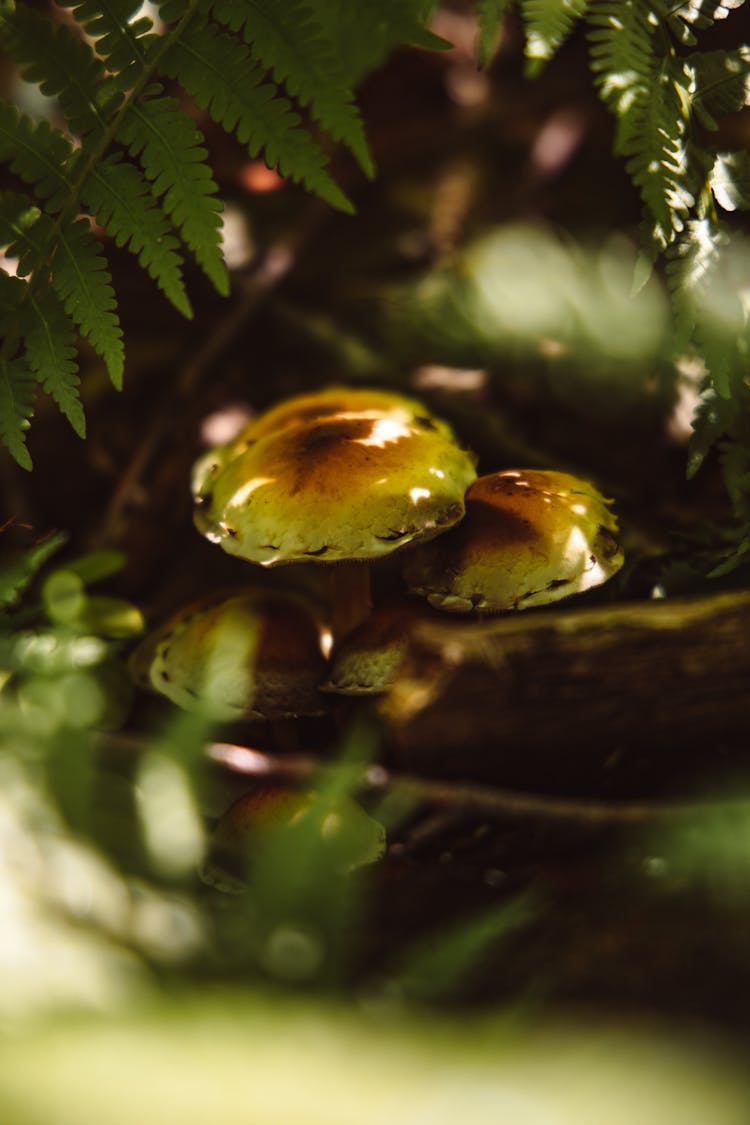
(349, 596)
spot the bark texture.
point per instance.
(564, 691)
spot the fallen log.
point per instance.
(571, 690)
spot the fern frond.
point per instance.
(82, 282)
(648, 88)
(77, 272)
(548, 24)
(51, 354)
(219, 73)
(37, 153)
(120, 198)
(702, 270)
(363, 35)
(695, 15)
(121, 40)
(490, 15)
(64, 66)
(169, 147)
(17, 388)
(730, 180)
(286, 40)
(722, 83)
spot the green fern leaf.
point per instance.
(51, 354)
(82, 282)
(491, 14)
(648, 90)
(37, 153)
(722, 83)
(686, 18)
(362, 35)
(218, 72)
(64, 66)
(17, 389)
(730, 180)
(548, 24)
(120, 198)
(170, 150)
(703, 273)
(711, 419)
(286, 40)
(121, 40)
(76, 268)
(18, 214)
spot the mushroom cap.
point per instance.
(348, 836)
(529, 537)
(311, 407)
(367, 660)
(354, 484)
(243, 655)
(337, 400)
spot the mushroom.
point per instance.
(347, 836)
(366, 662)
(325, 484)
(250, 654)
(529, 537)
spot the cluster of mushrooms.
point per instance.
(344, 477)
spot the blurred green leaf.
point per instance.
(18, 576)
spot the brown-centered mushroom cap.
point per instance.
(529, 537)
(349, 485)
(250, 654)
(338, 400)
(335, 400)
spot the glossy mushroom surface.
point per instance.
(249, 654)
(354, 484)
(530, 537)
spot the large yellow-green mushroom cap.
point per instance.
(338, 400)
(309, 408)
(529, 537)
(347, 484)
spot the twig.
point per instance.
(471, 799)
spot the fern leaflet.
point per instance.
(218, 72)
(82, 282)
(17, 387)
(64, 66)
(37, 153)
(722, 83)
(730, 180)
(287, 40)
(647, 87)
(120, 198)
(51, 354)
(548, 24)
(122, 41)
(170, 150)
(363, 35)
(491, 14)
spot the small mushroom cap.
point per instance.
(347, 485)
(349, 836)
(530, 537)
(247, 655)
(367, 660)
